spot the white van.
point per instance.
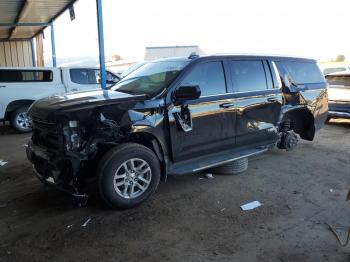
(20, 87)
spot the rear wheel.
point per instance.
(128, 175)
(20, 120)
(232, 168)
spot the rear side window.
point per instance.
(248, 76)
(331, 70)
(11, 76)
(301, 72)
(343, 81)
(209, 77)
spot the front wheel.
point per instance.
(128, 175)
(20, 120)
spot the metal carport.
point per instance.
(21, 21)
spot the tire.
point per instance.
(19, 120)
(116, 163)
(232, 168)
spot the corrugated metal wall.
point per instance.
(16, 54)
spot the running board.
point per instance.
(205, 162)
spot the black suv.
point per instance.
(171, 117)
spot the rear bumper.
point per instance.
(47, 171)
(339, 109)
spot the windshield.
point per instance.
(132, 69)
(150, 78)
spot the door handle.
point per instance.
(2, 86)
(272, 99)
(74, 89)
(227, 105)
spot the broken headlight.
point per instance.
(72, 136)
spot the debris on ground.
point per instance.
(69, 226)
(222, 210)
(331, 190)
(3, 205)
(86, 222)
(2, 162)
(251, 205)
(342, 233)
(209, 176)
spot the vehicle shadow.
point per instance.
(7, 129)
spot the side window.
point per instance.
(301, 72)
(94, 76)
(11, 76)
(248, 75)
(209, 76)
(79, 76)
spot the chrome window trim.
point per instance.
(279, 82)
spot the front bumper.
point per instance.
(51, 172)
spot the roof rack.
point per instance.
(193, 55)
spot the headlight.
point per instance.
(73, 124)
(72, 136)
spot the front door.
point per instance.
(211, 127)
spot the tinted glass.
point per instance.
(150, 78)
(339, 81)
(248, 76)
(209, 77)
(79, 76)
(331, 70)
(301, 72)
(25, 76)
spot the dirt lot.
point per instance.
(190, 218)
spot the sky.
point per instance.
(311, 28)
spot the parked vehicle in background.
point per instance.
(133, 68)
(173, 117)
(335, 69)
(20, 87)
(339, 95)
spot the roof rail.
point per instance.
(193, 55)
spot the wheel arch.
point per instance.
(302, 122)
(12, 106)
(150, 141)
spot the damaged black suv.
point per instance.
(171, 117)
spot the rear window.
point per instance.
(9, 76)
(301, 72)
(343, 81)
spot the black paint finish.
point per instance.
(234, 120)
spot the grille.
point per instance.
(45, 134)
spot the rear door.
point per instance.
(213, 128)
(83, 79)
(258, 101)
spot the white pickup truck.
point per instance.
(20, 87)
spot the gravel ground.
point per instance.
(190, 218)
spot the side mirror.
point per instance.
(185, 93)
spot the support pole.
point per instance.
(53, 48)
(33, 52)
(101, 43)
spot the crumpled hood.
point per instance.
(43, 108)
